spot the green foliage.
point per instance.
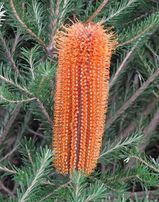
(118, 9)
(30, 178)
(80, 191)
(120, 148)
(139, 30)
(128, 167)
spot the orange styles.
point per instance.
(81, 95)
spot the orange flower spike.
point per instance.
(85, 51)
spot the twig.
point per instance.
(136, 37)
(138, 195)
(131, 127)
(150, 194)
(120, 10)
(11, 152)
(29, 155)
(17, 101)
(6, 189)
(41, 106)
(14, 191)
(122, 65)
(5, 169)
(15, 85)
(51, 8)
(128, 130)
(51, 193)
(9, 55)
(54, 22)
(138, 18)
(98, 10)
(11, 121)
(50, 47)
(145, 163)
(131, 100)
(16, 41)
(39, 40)
(20, 133)
(148, 131)
(155, 1)
(35, 133)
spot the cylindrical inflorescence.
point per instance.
(81, 95)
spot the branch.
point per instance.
(17, 101)
(54, 22)
(131, 127)
(155, 1)
(16, 41)
(98, 10)
(145, 163)
(6, 189)
(36, 177)
(15, 85)
(51, 47)
(120, 10)
(41, 106)
(122, 65)
(9, 55)
(132, 99)
(147, 195)
(11, 121)
(16, 145)
(136, 37)
(51, 193)
(18, 137)
(148, 131)
(5, 169)
(39, 40)
(35, 133)
(151, 194)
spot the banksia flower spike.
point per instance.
(81, 95)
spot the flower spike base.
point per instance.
(81, 95)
